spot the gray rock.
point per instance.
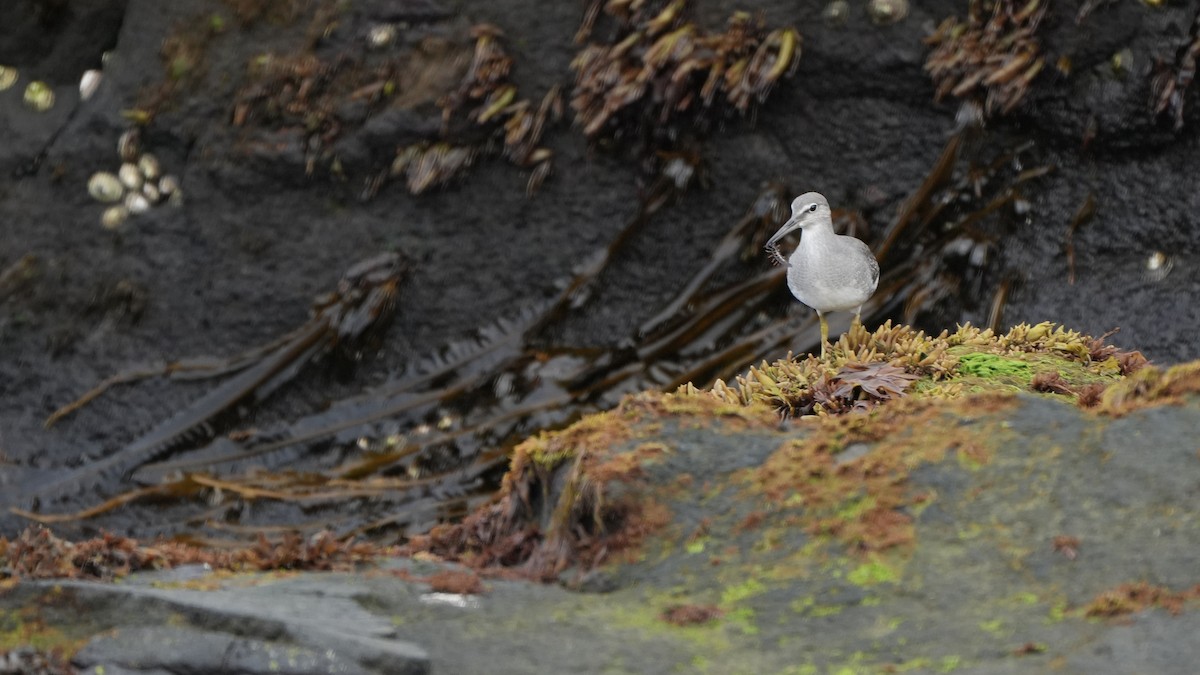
(170, 649)
(310, 624)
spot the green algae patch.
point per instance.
(742, 591)
(989, 365)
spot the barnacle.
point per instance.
(997, 58)
(105, 187)
(89, 82)
(884, 12)
(8, 77)
(836, 13)
(39, 96)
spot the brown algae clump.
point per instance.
(848, 480)
(865, 368)
(581, 496)
(570, 499)
(1151, 386)
(657, 67)
(1137, 597)
(38, 554)
(994, 59)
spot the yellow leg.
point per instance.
(824, 333)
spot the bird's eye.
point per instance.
(812, 208)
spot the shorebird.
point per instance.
(828, 272)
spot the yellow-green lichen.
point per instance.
(873, 572)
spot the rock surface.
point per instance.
(257, 237)
(984, 583)
(1000, 535)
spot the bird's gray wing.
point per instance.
(872, 263)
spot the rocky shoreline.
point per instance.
(994, 513)
(970, 525)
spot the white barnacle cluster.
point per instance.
(137, 185)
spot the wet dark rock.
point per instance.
(411, 11)
(1106, 99)
(56, 40)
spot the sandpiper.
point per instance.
(828, 272)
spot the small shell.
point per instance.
(39, 96)
(137, 203)
(836, 13)
(149, 166)
(89, 83)
(105, 187)
(8, 77)
(885, 12)
(130, 176)
(381, 36)
(1158, 266)
(168, 185)
(113, 216)
(129, 145)
(176, 198)
(150, 191)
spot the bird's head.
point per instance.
(809, 208)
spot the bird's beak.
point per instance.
(791, 224)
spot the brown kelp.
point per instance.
(431, 444)
(994, 58)
(948, 229)
(1083, 215)
(36, 553)
(486, 102)
(364, 300)
(421, 448)
(322, 98)
(656, 74)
